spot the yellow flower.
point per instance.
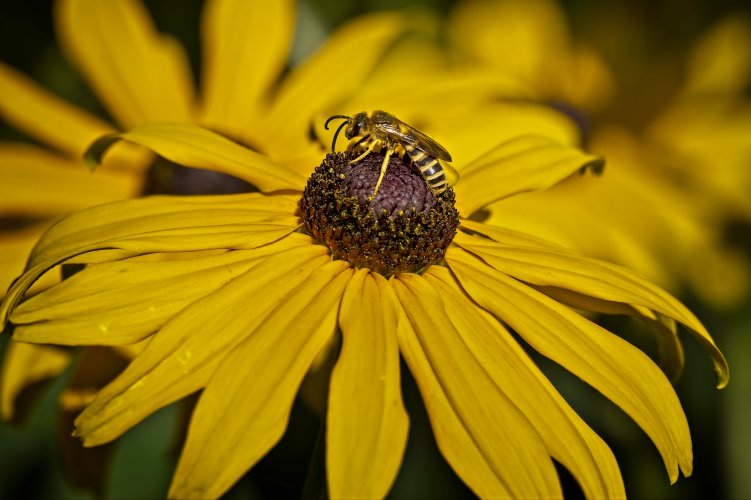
(672, 187)
(237, 301)
(141, 75)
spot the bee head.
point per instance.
(357, 125)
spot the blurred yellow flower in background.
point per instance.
(705, 129)
(671, 187)
(245, 303)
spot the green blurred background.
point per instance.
(645, 43)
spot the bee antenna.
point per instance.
(345, 117)
(336, 134)
(346, 121)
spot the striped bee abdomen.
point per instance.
(430, 169)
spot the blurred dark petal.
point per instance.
(28, 400)
(86, 468)
(582, 121)
(180, 20)
(736, 409)
(315, 486)
(30, 456)
(424, 472)
(165, 177)
(737, 234)
(282, 472)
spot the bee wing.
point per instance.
(410, 135)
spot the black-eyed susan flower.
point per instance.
(238, 294)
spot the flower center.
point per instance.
(404, 228)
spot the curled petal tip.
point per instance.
(94, 154)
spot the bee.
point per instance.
(382, 129)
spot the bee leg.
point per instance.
(371, 146)
(384, 166)
(363, 139)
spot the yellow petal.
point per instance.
(568, 439)
(194, 146)
(599, 279)
(139, 74)
(670, 349)
(366, 426)
(15, 247)
(239, 236)
(559, 215)
(35, 182)
(620, 371)
(586, 81)
(162, 215)
(244, 409)
(527, 163)
(245, 46)
(24, 364)
(709, 136)
(451, 91)
(720, 62)
(485, 438)
(125, 301)
(158, 224)
(469, 134)
(522, 39)
(45, 116)
(529, 41)
(331, 74)
(510, 236)
(185, 353)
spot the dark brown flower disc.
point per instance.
(404, 228)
